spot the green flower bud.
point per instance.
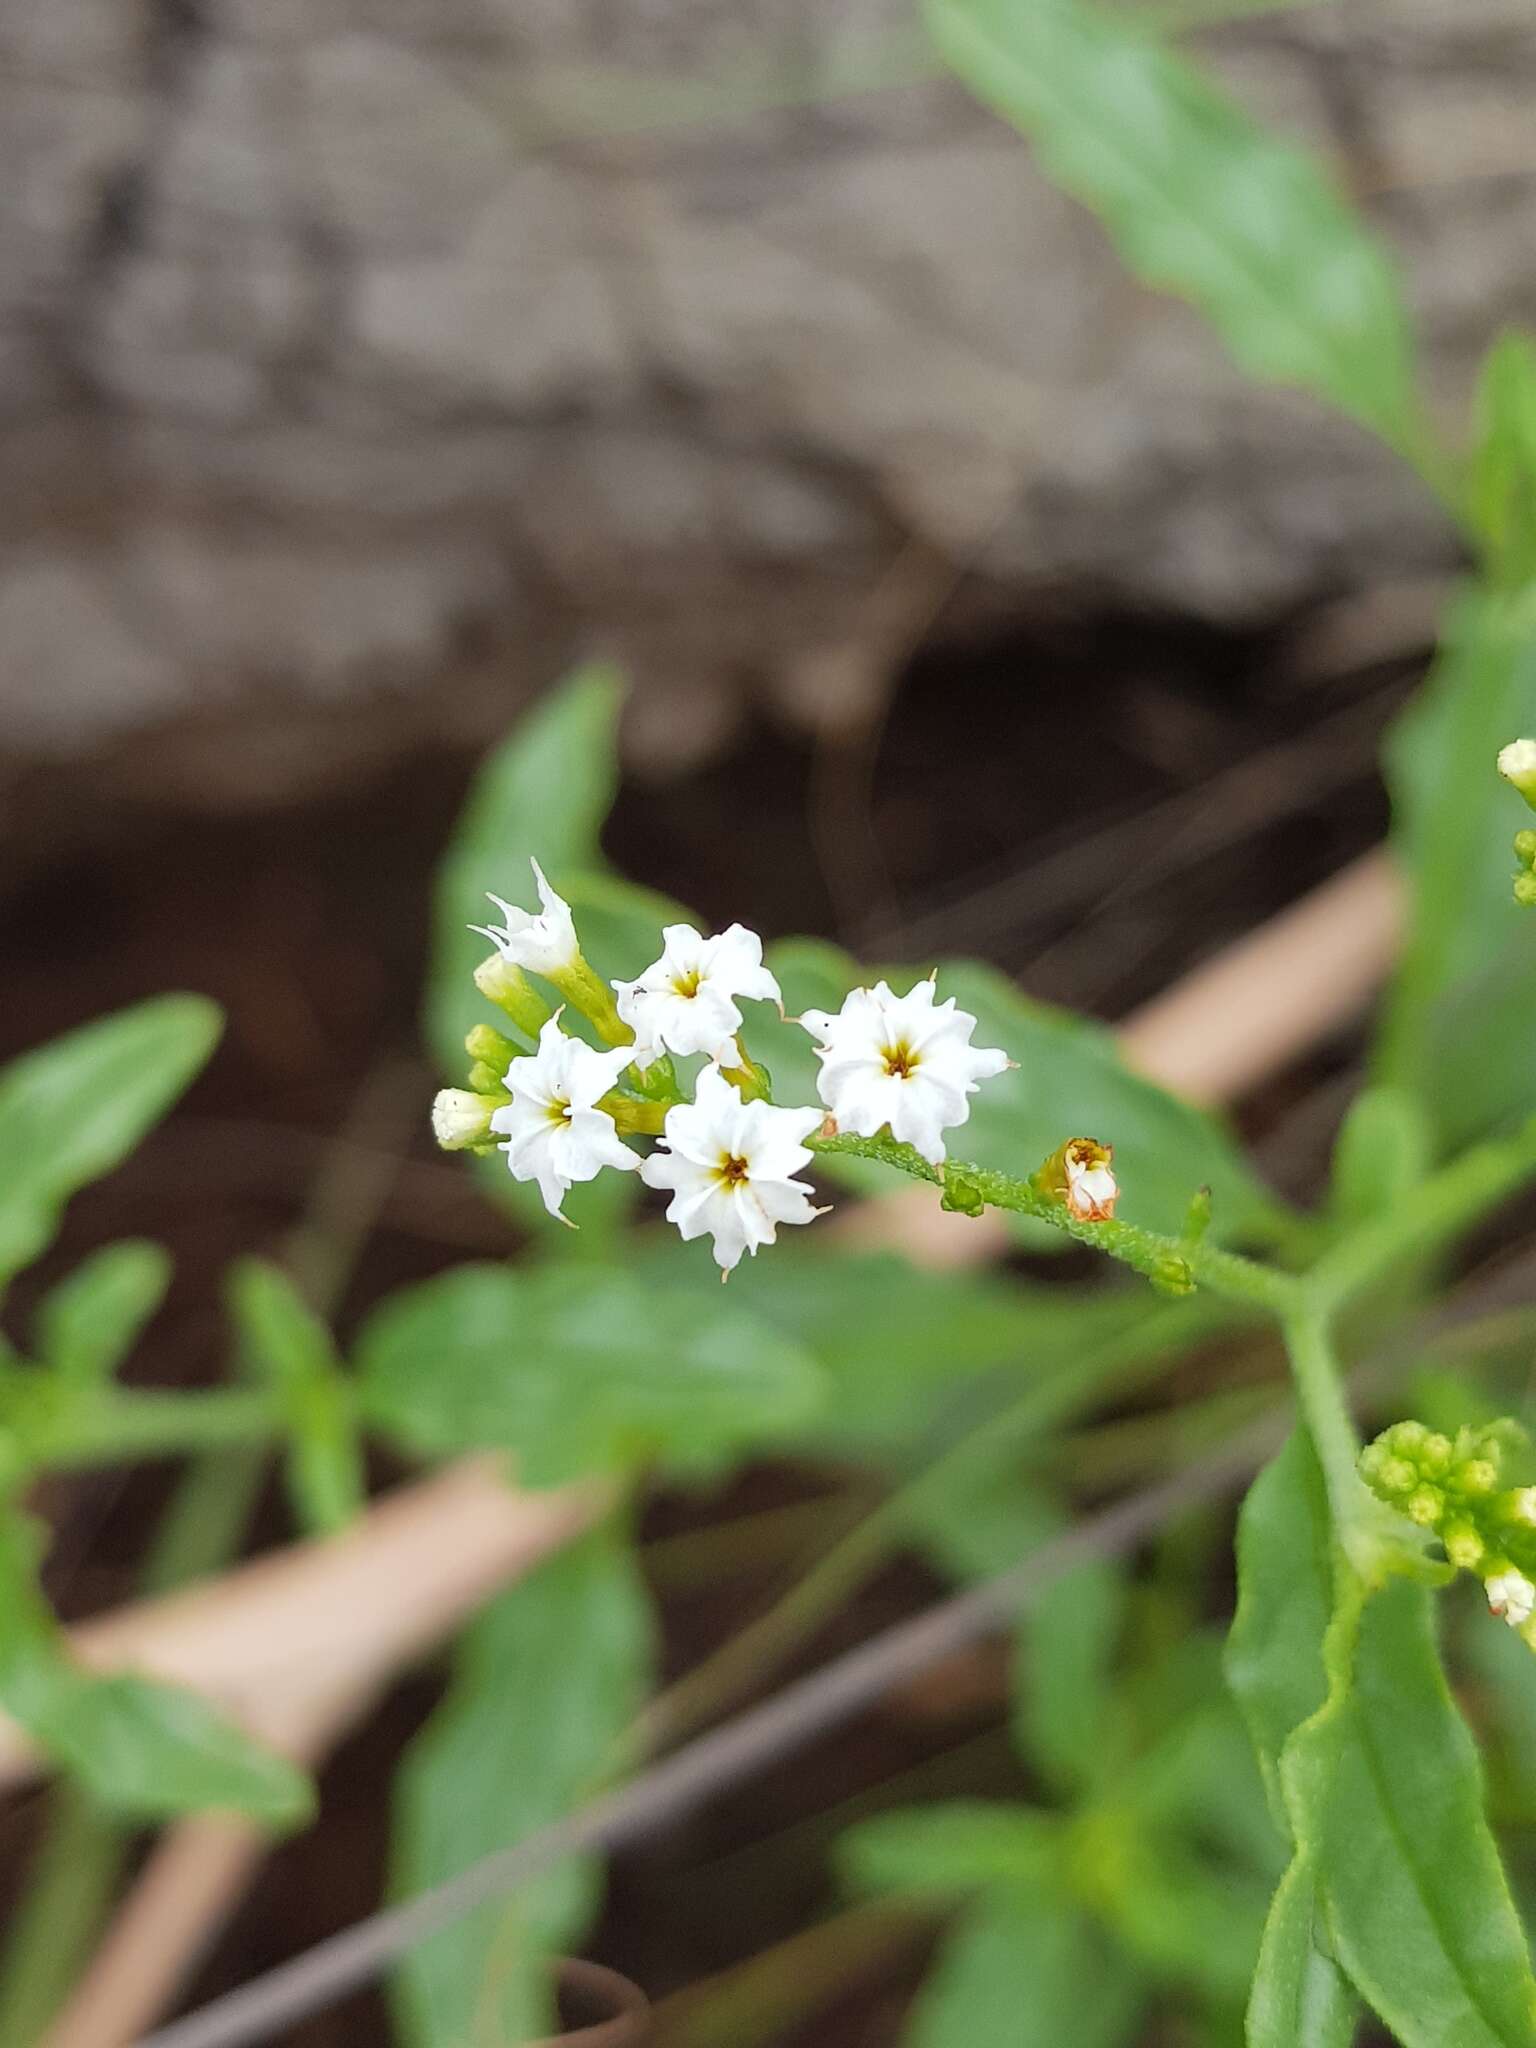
(503, 983)
(1525, 847)
(1525, 889)
(1463, 1546)
(489, 1047)
(1475, 1477)
(1435, 1454)
(1425, 1505)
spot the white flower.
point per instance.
(546, 943)
(460, 1118)
(1512, 1595)
(1092, 1189)
(1517, 764)
(687, 1001)
(905, 1061)
(730, 1164)
(555, 1133)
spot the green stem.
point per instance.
(1320, 1394)
(1177, 1264)
(117, 1427)
(56, 1918)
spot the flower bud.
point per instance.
(1463, 1546)
(1435, 1454)
(461, 1119)
(1520, 1506)
(1525, 889)
(1511, 1595)
(503, 982)
(491, 1048)
(1517, 765)
(1525, 846)
(1475, 1477)
(1425, 1505)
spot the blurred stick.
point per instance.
(1227, 1026)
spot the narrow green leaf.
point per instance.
(950, 1850)
(542, 796)
(1385, 1792)
(90, 1322)
(75, 1109)
(1023, 1971)
(1275, 1667)
(1501, 485)
(1456, 1030)
(288, 1345)
(545, 1682)
(1300, 1997)
(1274, 1654)
(1383, 1151)
(578, 1370)
(1197, 198)
(141, 1748)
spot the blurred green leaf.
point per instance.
(140, 1748)
(1066, 1645)
(1384, 1791)
(73, 1110)
(1501, 483)
(1071, 1081)
(543, 795)
(904, 1349)
(545, 1683)
(1022, 1971)
(578, 1370)
(1383, 1151)
(1198, 199)
(90, 1322)
(1456, 1031)
(288, 1345)
(950, 1850)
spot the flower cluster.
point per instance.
(729, 1157)
(1451, 1487)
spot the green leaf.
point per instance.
(1275, 1667)
(903, 1350)
(1300, 1997)
(1022, 1971)
(1197, 198)
(1274, 1654)
(291, 1348)
(578, 1370)
(90, 1322)
(545, 1683)
(1501, 485)
(543, 795)
(75, 1109)
(950, 1850)
(1457, 1024)
(141, 1748)
(1386, 1796)
(1383, 1151)
(1066, 1645)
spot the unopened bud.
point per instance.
(1425, 1505)
(1525, 889)
(1525, 846)
(1511, 1595)
(1520, 1506)
(503, 982)
(489, 1047)
(1476, 1476)
(461, 1119)
(1435, 1454)
(1517, 765)
(1463, 1546)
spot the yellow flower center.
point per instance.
(900, 1060)
(731, 1172)
(687, 983)
(559, 1112)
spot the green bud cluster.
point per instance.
(1452, 1487)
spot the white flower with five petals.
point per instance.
(543, 942)
(555, 1133)
(688, 1000)
(905, 1061)
(730, 1166)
